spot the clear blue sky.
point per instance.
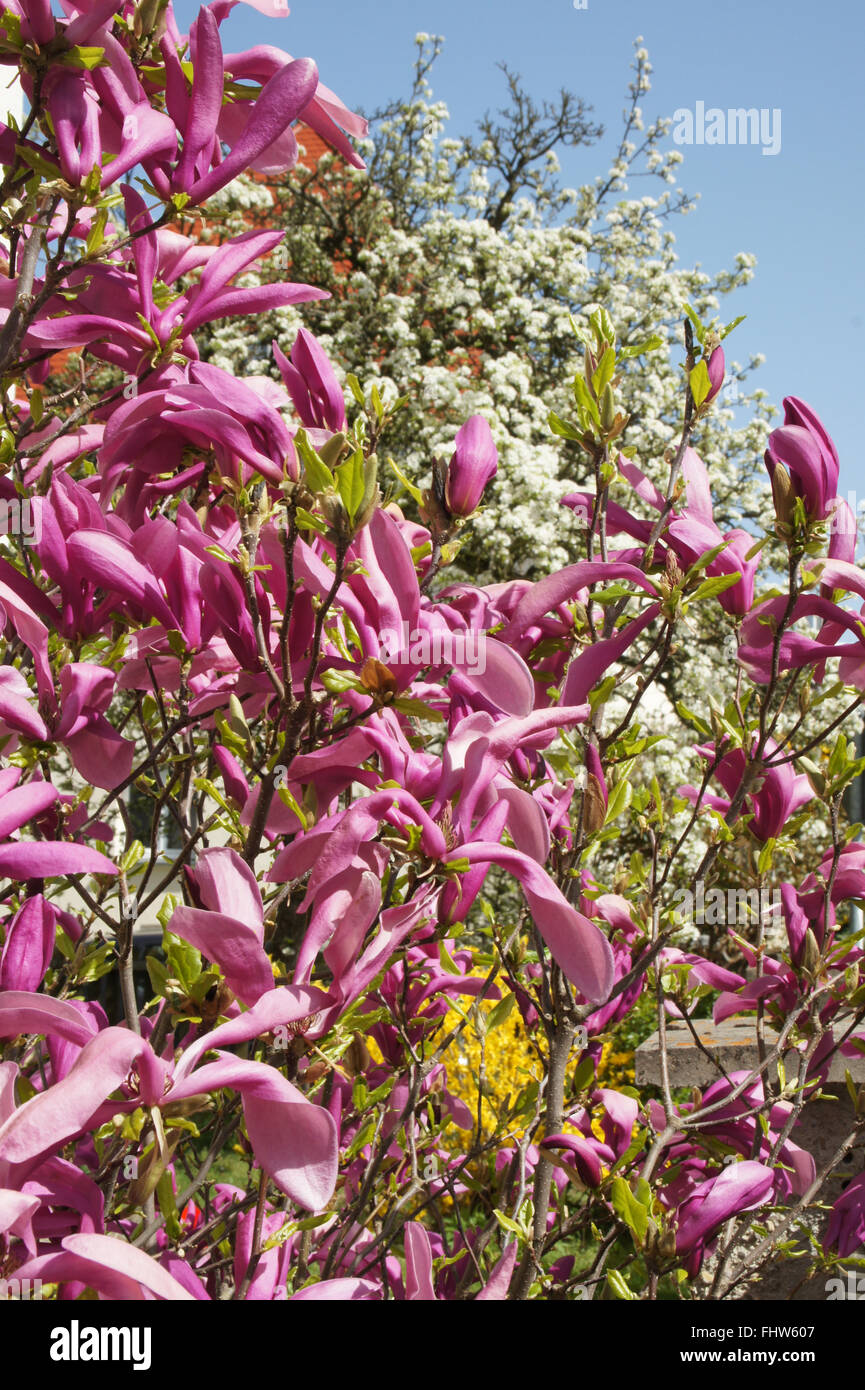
(800, 212)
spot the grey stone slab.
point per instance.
(733, 1043)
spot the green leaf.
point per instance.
(448, 963)
(291, 1228)
(406, 705)
(307, 522)
(507, 1224)
(617, 1286)
(291, 803)
(584, 1076)
(184, 962)
(699, 328)
(603, 326)
(562, 428)
(659, 800)
(64, 945)
(710, 587)
(648, 345)
(355, 388)
(501, 1013)
(838, 757)
(318, 475)
(168, 1206)
(586, 403)
(603, 374)
(620, 799)
(693, 720)
(602, 693)
(338, 682)
(765, 857)
(97, 963)
(700, 383)
(81, 57)
(350, 483)
(166, 910)
(852, 1088)
(410, 488)
(158, 974)
(629, 1209)
(740, 318)
(362, 1137)
(703, 560)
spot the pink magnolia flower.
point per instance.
(29, 945)
(473, 463)
(780, 793)
(846, 1229)
(311, 383)
(592, 1157)
(804, 449)
(113, 1268)
(419, 1286)
(716, 367)
(740, 1187)
(228, 926)
(294, 1140)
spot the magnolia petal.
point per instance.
(45, 1123)
(232, 945)
(338, 1290)
(51, 859)
(578, 946)
(294, 1140)
(418, 1264)
(108, 1265)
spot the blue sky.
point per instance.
(800, 212)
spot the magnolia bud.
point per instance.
(810, 953)
(713, 356)
(666, 1245)
(473, 463)
(595, 796)
(332, 450)
(783, 495)
(371, 494)
(814, 775)
(334, 512)
(594, 805)
(608, 407)
(674, 570)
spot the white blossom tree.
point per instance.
(462, 271)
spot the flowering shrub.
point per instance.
(208, 612)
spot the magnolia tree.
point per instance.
(457, 267)
(215, 607)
